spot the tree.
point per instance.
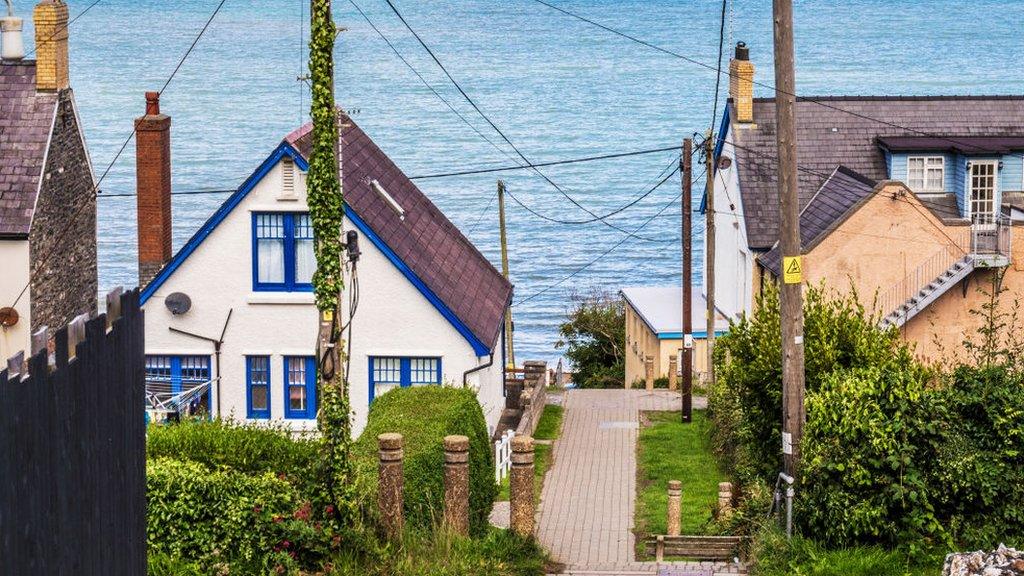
(326, 210)
(594, 338)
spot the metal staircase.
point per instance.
(930, 292)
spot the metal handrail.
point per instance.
(911, 284)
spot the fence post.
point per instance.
(456, 484)
(672, 379)
(649, 371)
(724, 499)
(521, 497)
(390, 484)
(675, 497)
(114, 305)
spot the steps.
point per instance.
(929, 293)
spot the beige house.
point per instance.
(654, 328)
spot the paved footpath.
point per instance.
(587, 504)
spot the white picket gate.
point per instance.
(503, 455)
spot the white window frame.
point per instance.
(969, 189)
(923, 188)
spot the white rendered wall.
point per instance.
(733, 259)
(393, 317)
(14, 274)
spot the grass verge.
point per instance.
(548, 428)
(670, 450)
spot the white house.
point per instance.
(430, 305)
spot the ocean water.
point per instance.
(557, 87)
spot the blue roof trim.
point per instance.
(679, 335)
(282, 150)
(723, 129)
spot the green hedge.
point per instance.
(424, 416)
(238, 446)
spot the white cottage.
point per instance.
(234, 306)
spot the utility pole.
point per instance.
(686, 354)
(709, 258)
(510, 354)
(790, 294)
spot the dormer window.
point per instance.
(926, 174)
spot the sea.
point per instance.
(557, 87)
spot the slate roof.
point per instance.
(26, 119)
(961, 144)
(661, 308)
(426, 241)
(839, 196)
(827, 138)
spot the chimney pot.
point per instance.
(741, 84)
(13, 45)
(742, 52)
(152, 103)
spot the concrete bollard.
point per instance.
(675, 499)
(649, 372)
(456, 484)
(724, 499)
(672, 379)
(521, 497)
(390, 499)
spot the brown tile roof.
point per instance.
(827, 137)
(838, 197)
(435, 250)
(26, 118)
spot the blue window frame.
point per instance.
(257, 384)
(282, 252)
(389, 372)
(300, 400)
(173, 375)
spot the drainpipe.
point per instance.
(465, 375)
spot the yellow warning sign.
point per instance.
(792, 270)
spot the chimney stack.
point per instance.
(51, 22)
(153, 185)
(741, 84)
(12, 46)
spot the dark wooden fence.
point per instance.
(72, 449)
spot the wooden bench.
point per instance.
(709, 548)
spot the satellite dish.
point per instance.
(178, 303)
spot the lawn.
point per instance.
(671, 450)
(773, 556)
(549, 428)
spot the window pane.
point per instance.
(387, 370)
(424, 371)
(270, 248)
(381, 389)
(158, 368)
(305, 261)
(259, 397)
(296, 384)
(195, 369)
(297, 397)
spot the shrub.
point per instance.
(594, 338)
(226, 444)
(424, 416)
(229, 521)
(746, 401)
(871, 436)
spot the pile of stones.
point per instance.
(1003, 562)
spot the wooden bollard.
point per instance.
(724, 499)
(390, 498)
(521, 497)
(456, 484)
(675, 499)
(649, 371)
(672, 380)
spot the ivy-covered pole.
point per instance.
(326, 211)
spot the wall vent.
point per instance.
(287, 179)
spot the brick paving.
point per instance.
(587, 504)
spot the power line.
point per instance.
(95, 189)
(532, 165)
(492, 124)
(755, 82)
(603, 254)
(718, 73)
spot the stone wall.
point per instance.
(62, 243)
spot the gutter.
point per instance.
(465, 375)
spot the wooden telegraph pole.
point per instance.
(510, 354)
(709, 231)
(791, 296)
(686, 354)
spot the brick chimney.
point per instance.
(153, 185)
(741, 84)
(51, 23)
